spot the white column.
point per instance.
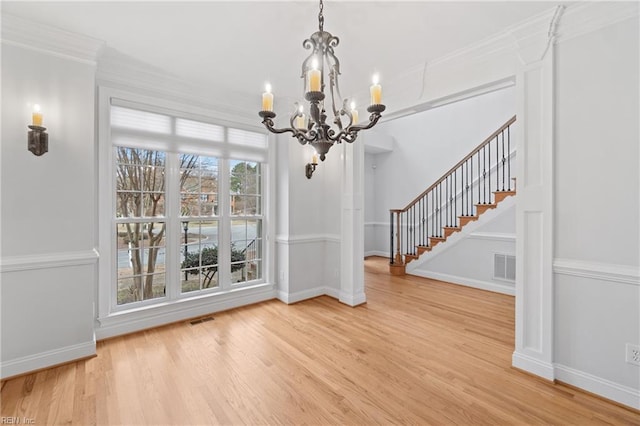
(352, 225)
(534, 211)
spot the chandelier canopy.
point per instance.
(315, 130)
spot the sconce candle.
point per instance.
(376, 91)
(314, 159)
(37, 137)
(267, 99)
(36, 116)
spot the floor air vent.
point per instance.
(504, 267)
(200, 320)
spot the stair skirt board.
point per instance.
(456, 233)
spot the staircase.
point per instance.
(478, 183)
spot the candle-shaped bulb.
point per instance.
(301, 120)
(36, 116)
(376, 91)
(314, 159)
(354, 113)
(267, 98)
(314, 76)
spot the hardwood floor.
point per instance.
(419, 352)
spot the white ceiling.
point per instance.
(239, 45)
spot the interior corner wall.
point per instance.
(427, 144)
(597, 199)
(48, 212)
(308, 253)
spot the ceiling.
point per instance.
(239, 45)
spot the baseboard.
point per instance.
(46, 359)
(126, 323)
(469, 282)
(599, 386)
(376, 253)
(299, 296)
(351, 299)
(332, 292)
(533, 366)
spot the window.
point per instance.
(198, 190)
(140, 237)
(246, 222)
(187, 209)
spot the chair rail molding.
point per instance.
(48, 260)
(622, 274)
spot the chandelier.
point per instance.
(315, 130)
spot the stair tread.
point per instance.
(451, 227)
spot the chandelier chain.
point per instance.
(321, 17)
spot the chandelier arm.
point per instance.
(268, 123)
(373, 119)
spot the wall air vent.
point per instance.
(504, 267)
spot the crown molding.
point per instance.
(49, 40)
(584, 18)
(527, 41)
(122, 72)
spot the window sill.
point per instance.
(143, 317)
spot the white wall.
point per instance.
(597, 209)
(427, 145)
(48, 212)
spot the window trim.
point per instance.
(179, 304)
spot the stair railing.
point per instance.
(453, 197)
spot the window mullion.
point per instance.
(172, 194)
(224, 241)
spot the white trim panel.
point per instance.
(622, 274)
(47, 359)
(599, 386)
(469, 282)
(48, 260)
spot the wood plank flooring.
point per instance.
(419, 352)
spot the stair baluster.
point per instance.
(434, 215)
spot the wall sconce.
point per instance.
(311, 167)
(38, 139)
